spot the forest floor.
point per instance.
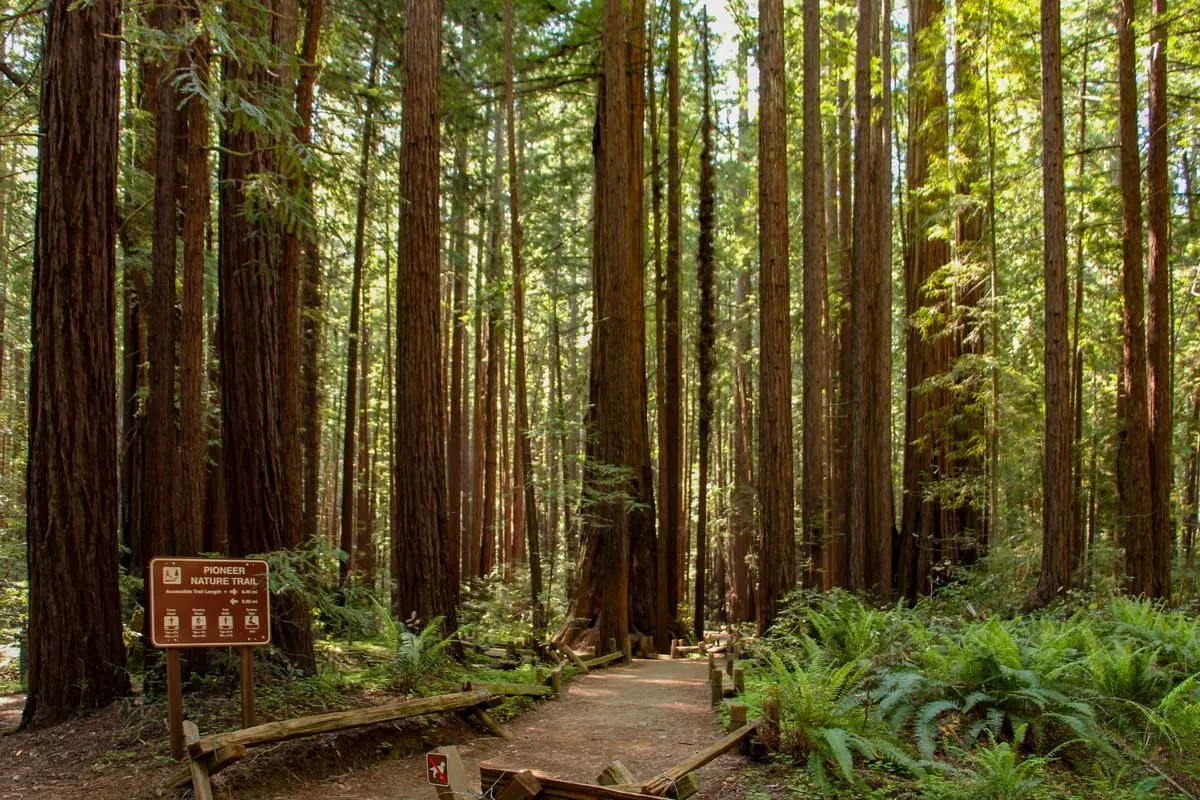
(650, 715)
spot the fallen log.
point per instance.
(600, 661)
(573, 657)
(201, 786)
(509, 689)
(496, 779)
(660, 785)
(337, 720)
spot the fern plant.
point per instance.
(418, 654)
(825, 719)
(998, 772)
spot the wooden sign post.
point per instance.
(208, 602)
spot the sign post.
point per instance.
(208, 602)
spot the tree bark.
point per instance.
(254, 329)
(1055, 578)
(422, 581)
(706, 340)
(524, 450)
(672, 455)
(1158, 320)
(814, 489)
(350, 410)
(76, 653)
(776, 551)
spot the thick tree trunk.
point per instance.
(254, 329)
(1133, 465)
(928, 529)
(76, 653)
(814, 472)
(618, 483)
(192, 435)
(421, 580)
(1055, 578)
(776, 550)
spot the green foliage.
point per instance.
(998, 772)
(419, 655)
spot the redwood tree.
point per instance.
(419, 537)
(776, 556)
(76, 653)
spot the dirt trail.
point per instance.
(650, 715)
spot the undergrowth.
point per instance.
(1096, 697)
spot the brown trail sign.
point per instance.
(208, 602)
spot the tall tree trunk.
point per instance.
(364, 550)
(76, 654)
(192, 435)
(618, 482)
(1158, 319)
(421, 580)
(776, 550)
(495, 341)
(162, 456)
(254, 326)
(707, 338)
(311, 318)
(672, 455)
(928, 530)
(1077, 345)
(869, 514)
(524, 451)
(815, 348)
(1055, 577)
(741, 521)
(459, 435)
(366, 153)
(1133, 468)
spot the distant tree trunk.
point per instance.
(837, 554)
(815, 484)
(364, 550)
(192, 435)
(1055, 577)
(311, 318)
(1191, 502)
(524, 450)
(741, 520)
(76, 653)
(869, 515)
(495, 341)
(776, 550)
(1078, 548)
(662, 573)
(1158, 320)
(254, 325)
(422, 582)
(707, 338)
(459, 436)
(618, 483)
(160, 495)
(1133, 469)
(672, 455)
(366, 153)
(472, 547)
(928, 528)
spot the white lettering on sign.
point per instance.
(224, 570)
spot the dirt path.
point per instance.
(650, 715)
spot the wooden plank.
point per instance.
(573, 656)
(248, 698)
(338, 720)
(600, 661)
(661, 784)
(175, 703)
(509, 689)
(615, 774)
(489, 722)
(494, 779)
(201, 786)
(214, 762)
(522, 786)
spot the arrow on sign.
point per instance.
(439, 773)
